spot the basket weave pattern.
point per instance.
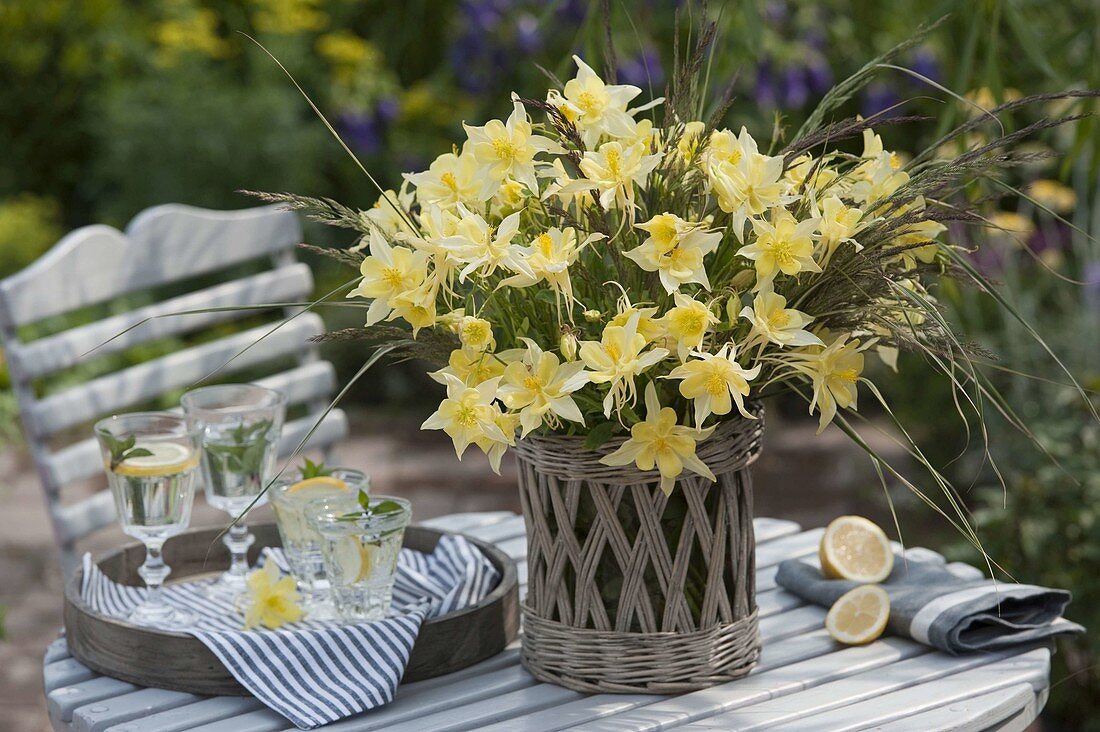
(684, 615)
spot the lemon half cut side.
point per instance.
(859, 616)
(854, 548)
(165, 458)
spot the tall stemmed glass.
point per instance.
(152, 462)
(240, 424)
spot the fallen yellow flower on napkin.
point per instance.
(271, 600)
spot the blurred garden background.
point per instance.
(108, 107)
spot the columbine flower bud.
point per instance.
(743, 280)
(569, 347)
(593, 316)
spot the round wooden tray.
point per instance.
(178, 661)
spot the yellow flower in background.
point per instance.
(539, 387)
(659, 441)
(714, 382)
(452, 179)
(783, 244)
(688, 324)
(617, 359)
(1059, 198)
(675, 250)
(839, 223)
(1009, 224)
(271, 600)
(615, 170)
(288, 17)
(468, 413)
(507, 149)
(750, 186)
(835, 372)
(196, 31)
(596, 108)
(388, 273)
(475, 334)
(772, 321)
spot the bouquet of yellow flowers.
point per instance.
(568, 266)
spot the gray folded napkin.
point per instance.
(954, 608)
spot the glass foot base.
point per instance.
(320, 608)
(162, 616)
(226, 587)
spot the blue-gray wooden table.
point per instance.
(804, 681)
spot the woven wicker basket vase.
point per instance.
(632, 591)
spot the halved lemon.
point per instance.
(165, 458)
(854, 548)
(321, 486)
(859, 616)
(355, 559)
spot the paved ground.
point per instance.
(800, 477)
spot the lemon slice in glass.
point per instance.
(321, 486)
(164, 458)
(854, 548)
(859, 616)
(354, 558)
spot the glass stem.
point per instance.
(238, 539)
(154, 571)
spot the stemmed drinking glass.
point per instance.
(240, 426)
(152, 462)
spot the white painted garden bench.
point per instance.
(168, 245)
(804, 680)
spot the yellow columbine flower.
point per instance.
(750, 186)
(483, 247)
(714, 381)
(494, 449)
(472, 367)
(417, 306)
(688, 324)
(468, 414)
(614, 170)
(271, 599)
(452, 179)
(596, 108)
(475, 334)
(877, 179)
(548, 258)
(539, 387)
(616, 359)
(649, 326)
(1057, 197)
(839, 223)
(772, 321)
(389, 214)
(675, 249)
(803, 166)
(782, 245)
(835, 371)
(659, 441)
(916, 233)
(388, 273)
(507, 149)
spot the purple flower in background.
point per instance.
(1092, 287)
(819, 75)
(878, 97)
(795, 90)
(1055, 236)
(924, 63)
(363, 131)
(776, 11)
(765, 91)
(528, 35)
(644, 70)
(572, 11)
(386, 110)
(484, 14)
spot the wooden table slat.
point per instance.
(911, 686)
(64, 700)
(65, 672)
(467, 521)
(188, 716)
(100, 715)
(974, 714)
(56, 651)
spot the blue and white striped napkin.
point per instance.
(316, 672)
